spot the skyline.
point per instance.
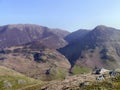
(64, 14)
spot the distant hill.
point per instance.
(98, 47)
(18, 34)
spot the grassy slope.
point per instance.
(80, 70)
(13, 77)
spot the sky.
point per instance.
(69, 15)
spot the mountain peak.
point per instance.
(101, 27)
(103, 30)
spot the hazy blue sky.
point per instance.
(66, 14)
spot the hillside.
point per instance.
(96, 48)
(31, 50)
(35, 60)
(18, 34)
(12, 80)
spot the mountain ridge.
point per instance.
(18, 34)
(94, 48)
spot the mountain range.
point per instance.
(44, 53)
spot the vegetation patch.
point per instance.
(80, 70)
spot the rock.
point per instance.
(21, 81)
(7, 84)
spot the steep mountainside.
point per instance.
(76, 35)
(99, 47)
(18, 34)
(35, 60)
